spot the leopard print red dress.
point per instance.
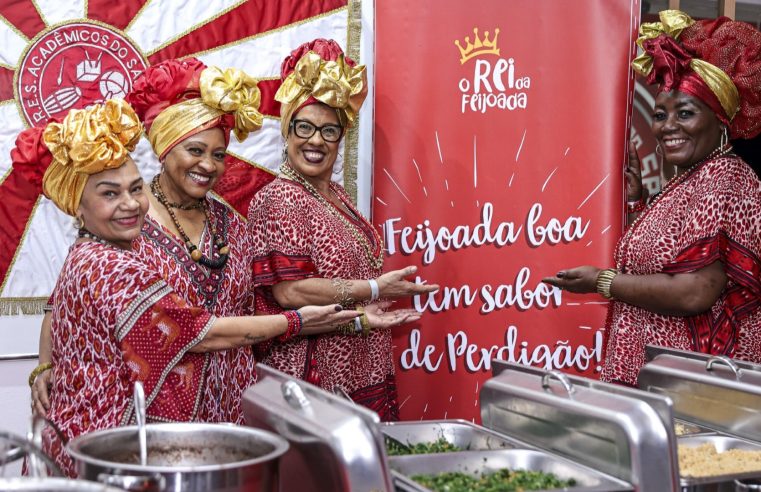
(223, 292)
(295, 237)
(713, 213)
(114, 322)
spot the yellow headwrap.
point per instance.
(334, 83)
(87, 142)
(672, 23)
(231, 91)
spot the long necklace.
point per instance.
(195, 253)
(376, 259)
(621, 258)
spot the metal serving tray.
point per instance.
(479, 462)
(717, 482)
(460, 433)
(691, 429)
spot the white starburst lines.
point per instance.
(396, 185)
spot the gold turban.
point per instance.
(672, 23)
(231, 91)
(87, 142)
(334, 83)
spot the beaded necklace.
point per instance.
(195, 253)
(84, 233)
(376, 260)
(620, 256)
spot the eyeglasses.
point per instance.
(305, 129)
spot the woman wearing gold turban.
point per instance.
(311, 244)
(114, 319)
(687, 273)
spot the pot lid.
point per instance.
(619, 431)
(713, 391)
(335, 443)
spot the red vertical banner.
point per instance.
(500, 142)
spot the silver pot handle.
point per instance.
(723, 359)
(146, 483)
(564, 381)
(294, 395)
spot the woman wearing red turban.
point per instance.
(687, 272)
(311, 244)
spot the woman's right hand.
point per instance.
(393, 284)
(40, 393)
(324, 319)
(633, 175)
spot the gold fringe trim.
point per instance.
(14, 306)
(351, 144)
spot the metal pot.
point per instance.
(184, 456)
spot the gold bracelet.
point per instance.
(343, 292)
(37, 371)
(604, 281)
(364, 320)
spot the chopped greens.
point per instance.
(441, 445)
(500, 481)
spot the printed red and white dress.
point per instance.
(227, 291)
(295, 237)
(713, 214)
(114, 322)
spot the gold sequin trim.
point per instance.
(266, 33)
(195, 27)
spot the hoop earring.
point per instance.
(79, 223)
(285, 153)
(658, 149)
(724, 137)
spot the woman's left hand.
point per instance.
(580, 280)
(380, 318)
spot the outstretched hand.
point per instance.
(379, 317)
(324, 319)
(580, 280)
(393, 284)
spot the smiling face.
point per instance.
(686, 129)
(313, 157)
(114, 204)
(193, 166)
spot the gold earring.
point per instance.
(79, 222)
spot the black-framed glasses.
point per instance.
(305, 129)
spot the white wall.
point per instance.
(18, 336)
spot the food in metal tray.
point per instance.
(501, 481)
(441, 445)
(705, 461)
(681, 429)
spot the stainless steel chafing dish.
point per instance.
(335, 445)
(622, 432)
(462, 434)
(483, 451)
(720, 395)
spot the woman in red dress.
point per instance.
(114, 320)
(310, 242)
(687, 272)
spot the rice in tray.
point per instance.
(706, 461)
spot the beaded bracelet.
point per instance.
(295, 325)
(635, 207)
(37, 371)
(364, 321)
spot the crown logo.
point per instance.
(479, 47)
